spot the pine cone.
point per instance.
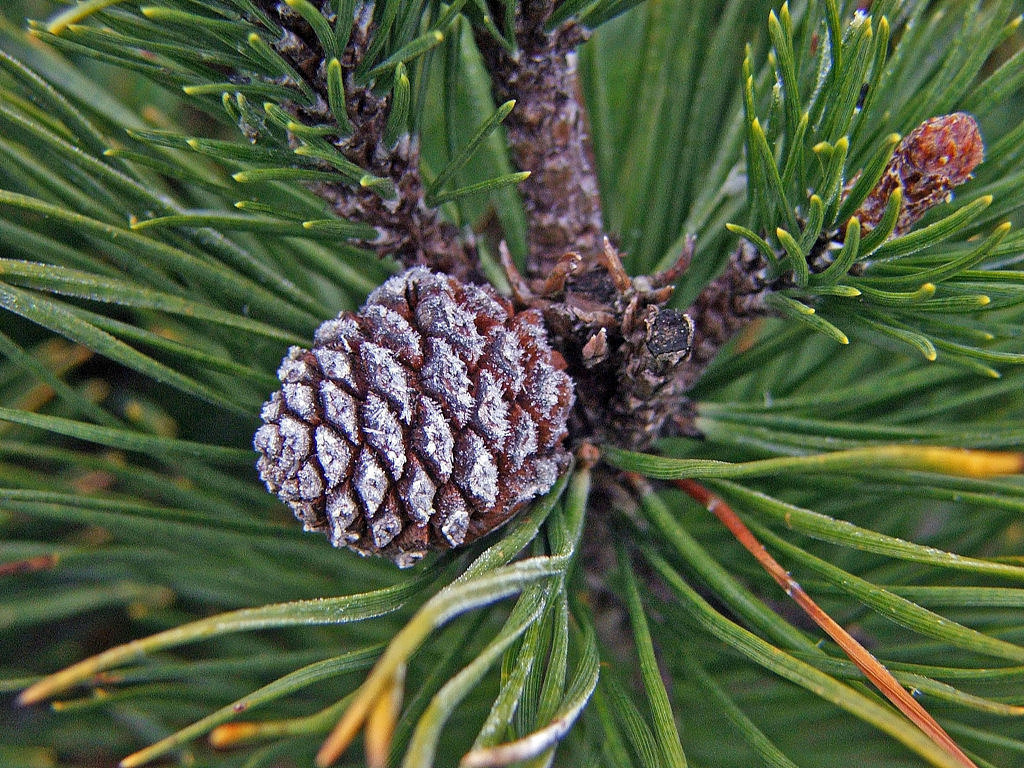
(421, 422)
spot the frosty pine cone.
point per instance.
(421, 422)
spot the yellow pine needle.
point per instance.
(231, 735)
(957, 462)
(380, 724)
(59, 682)
(77, 13)
(969, 463)
(222, 737)
(366, 700)
(98, 694)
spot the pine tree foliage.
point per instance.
(181, 199)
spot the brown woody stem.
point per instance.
(407, 228)
(549, 137)
(628, 351)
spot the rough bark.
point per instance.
(408, 229)
(549, 137)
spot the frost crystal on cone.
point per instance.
(421, 422)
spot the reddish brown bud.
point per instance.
(928, 164)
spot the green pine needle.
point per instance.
(162, 248)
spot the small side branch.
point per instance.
(549, 137)
(650, 398)
(408, 229)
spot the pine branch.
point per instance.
(624, 345)
(408, 228)
(173, 297)
(549, 136)
(824, 235)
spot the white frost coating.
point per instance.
(370, 482)
(504, 353)
(385, 528)
(268, 442)
(417, 490)
(340, 410)
(335, 363)
(295, 444)
(301, 398)
(383, 432)
(272, 409)
(392, 291)
(481, 302)
(475, 471)
(542, 384)
(432, 438)
(530, 323)
(546, 472)
(391, 330)
(289, 490)
(522, 441)
(409, 559)
(439, 315)
(311, 484)
(294, 368)
(334, 453)
(445, 376)
(453, 512)
(543, 473)
(337, 333)
(342, 511)
(491, 408)
(387, 377)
